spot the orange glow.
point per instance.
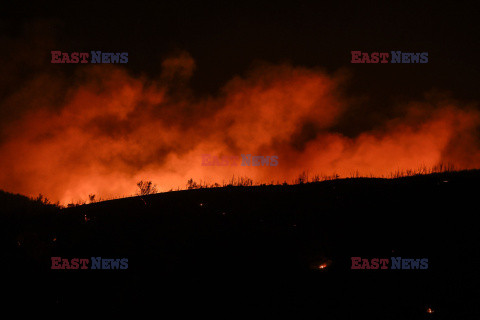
(322, 266)
(430, 310)
(114, 130)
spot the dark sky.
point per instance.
(226, 37)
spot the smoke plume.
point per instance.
(103, 129)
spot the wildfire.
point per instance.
(113, 130)
(321, 264)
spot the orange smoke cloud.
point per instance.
(113, 129)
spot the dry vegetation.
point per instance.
(147, 187)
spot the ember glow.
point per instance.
(112, 129)
(321, 264)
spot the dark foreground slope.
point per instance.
(255, 251)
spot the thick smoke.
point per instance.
(105, 130)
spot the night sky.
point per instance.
(225, 38)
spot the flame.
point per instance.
(112, 129)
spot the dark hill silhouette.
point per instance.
(256, 251)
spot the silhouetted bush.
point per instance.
(146, 188)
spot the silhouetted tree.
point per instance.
(42, 199)
(192, 184)
(146, 187)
